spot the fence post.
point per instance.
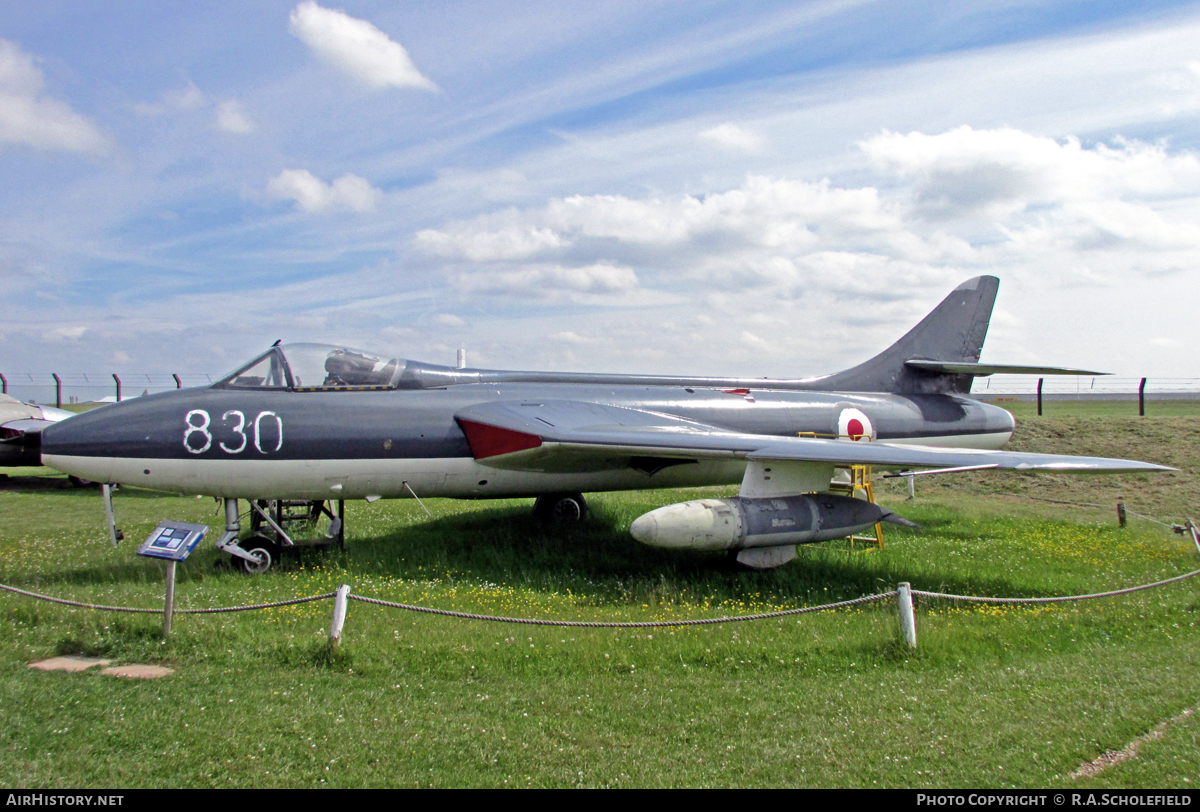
(1142, 398)
(178, 383)
(339, 615)
(3, 385)
(57, 390)
(1040, 396)
(908, 624)
(1121, 514)
(169, 601)
(118, 380)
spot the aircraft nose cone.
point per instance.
(701, 524)
(645, 528)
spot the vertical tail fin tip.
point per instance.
(953, 331)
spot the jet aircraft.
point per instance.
(21, 426)
(320, 424)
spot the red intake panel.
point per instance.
(489, 441)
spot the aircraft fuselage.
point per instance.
(285, 444)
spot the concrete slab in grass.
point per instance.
(138, 671)
(68, 663)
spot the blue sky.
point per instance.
(704, 188)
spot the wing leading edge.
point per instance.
(577, 436)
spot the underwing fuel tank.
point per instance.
(741, 522)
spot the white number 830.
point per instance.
(197, 437)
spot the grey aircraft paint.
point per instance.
(421, 424)
(268, 431)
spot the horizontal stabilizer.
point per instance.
(983, 370)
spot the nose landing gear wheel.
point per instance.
(265, 551)
(560, 508)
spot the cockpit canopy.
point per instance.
(316, 367)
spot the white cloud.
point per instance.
(1044, 194)
(546, 281)
(952, 205)
(486, 245)
(29, 117)
(790, 237)
(356, 47)
(731, 136)
(447, 320)
(313, 194)
(65, 333)
(571, 337)
(754, 342)
(231, 118)
(186, 98)
(964, 170)
(763, 212)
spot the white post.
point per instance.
(908, 624)
(339, 615)
(169, 603)
(911, 490)
(106, 492)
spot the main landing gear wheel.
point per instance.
(263, 549)
(560, 508)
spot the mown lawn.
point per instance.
(993, 696)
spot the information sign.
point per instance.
(173, 541)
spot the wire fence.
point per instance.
(54, 388)
(61, 388)
(1107, 387)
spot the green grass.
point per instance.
(994, 696)
(1101, 408)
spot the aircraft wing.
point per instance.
(20, 441)
(572, 436)
(21, 427)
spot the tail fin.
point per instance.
(954, 331)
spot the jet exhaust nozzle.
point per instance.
(741, 522)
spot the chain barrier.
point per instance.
(1174, 527)
(643, 624)
(218, 610)
(467, 615)
(903, 592)
(1061, 599)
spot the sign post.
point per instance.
(174, 542)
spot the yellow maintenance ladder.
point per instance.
(859, 481)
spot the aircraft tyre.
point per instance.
(264, 549)
(560, 508)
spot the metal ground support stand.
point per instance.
(275, 519)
